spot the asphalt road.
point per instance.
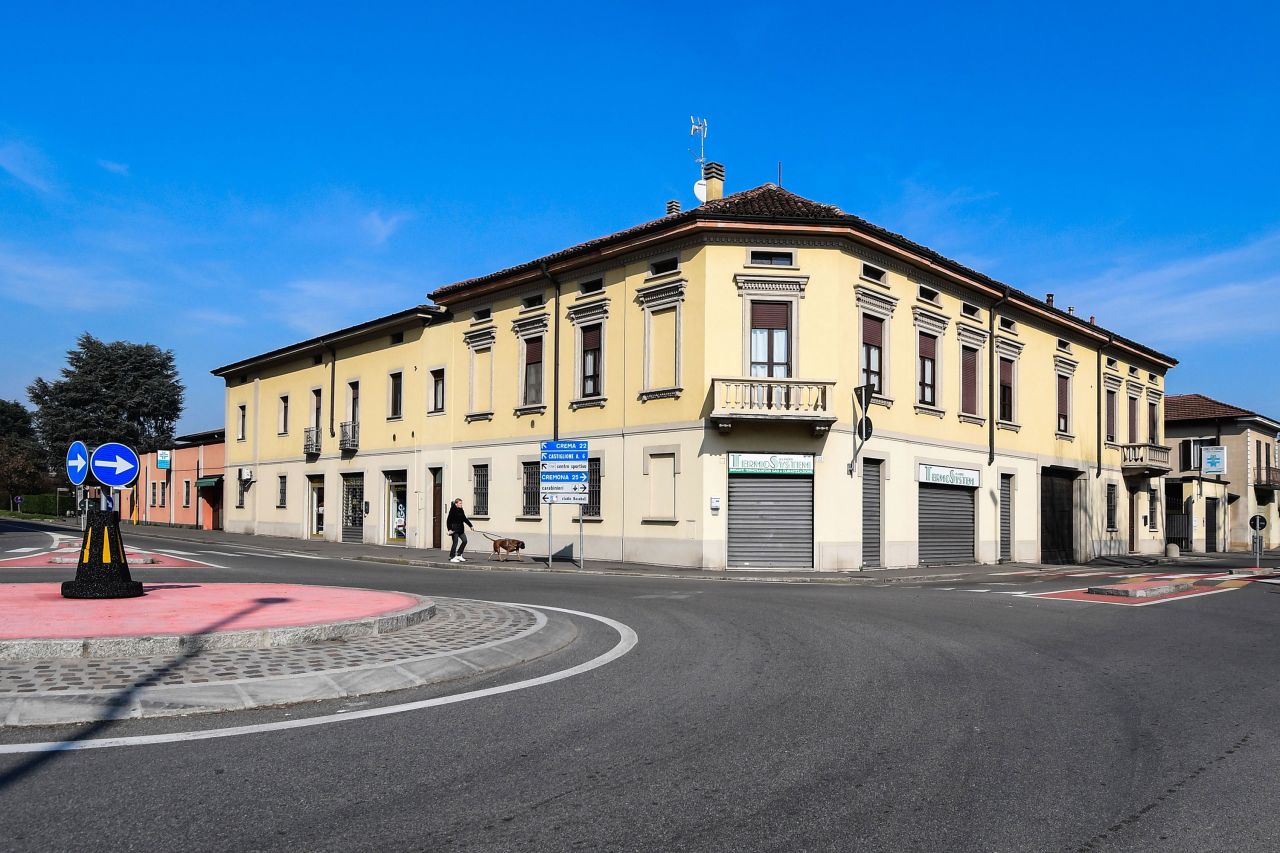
(750, 716)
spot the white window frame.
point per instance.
(881, 306)
(924, 322)
(282, 415)
(391, 384)
(589, 313)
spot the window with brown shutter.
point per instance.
(533, 371)
(1006, 389)
(928, 365)
(591, 361)
(769, 315)
(771, 339)
(1153, 423)
(969, 380)
(1133, 420)
(1064, 395)
(1111, 416)
(873, 353)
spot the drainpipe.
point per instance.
(555, 344)
(1102, 414)
(992, 402)
(333, 387)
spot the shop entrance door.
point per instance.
(317, 507)
(1057, 517)
(353, 508)
(1211, 525)
(397, 507)
(437, 505)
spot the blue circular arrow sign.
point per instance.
(77, 463)
(114, 465)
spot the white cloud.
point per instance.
(26, 164)
(1226, 295)
(114, 167)
(380, 228)
(215, 317)
(316, 306)
(55, 285)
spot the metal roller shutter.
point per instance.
(1006, 516)
(871, 487)
(771, 522)
(946, 524)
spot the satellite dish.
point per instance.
(700, 190)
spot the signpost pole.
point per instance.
(582, 556)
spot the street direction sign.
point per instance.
(564, 456)
(564, 488)
(564, 445)
(558, 467)
(864, 429)
(77, 463)
(556, 498)
(1258, 523)
(574, 476)
(18, 500)
(114, 465)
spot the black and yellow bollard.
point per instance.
(103, 571)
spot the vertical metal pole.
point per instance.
(549, 507)
(582, 557)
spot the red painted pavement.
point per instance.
(38, 610)
(44, 559)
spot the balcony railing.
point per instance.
(349, 435)
(311, 441)
(759, 399)
(1268, 477)
(1145, 458)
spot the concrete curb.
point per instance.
(1142, 590)
(163, 645)
(50, 708)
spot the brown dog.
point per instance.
(504, 547)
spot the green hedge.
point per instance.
(44, 504)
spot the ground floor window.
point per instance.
(592, 509)
(531, 491)
(480, 484)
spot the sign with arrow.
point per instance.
(77, 463)
(114, 465)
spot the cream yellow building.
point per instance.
(710, 359)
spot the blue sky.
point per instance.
(228, 180)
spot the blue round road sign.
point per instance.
(114, 465)
(77, 463)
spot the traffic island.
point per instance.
(1144, 589)
(425, 642)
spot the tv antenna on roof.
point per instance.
(698, 127)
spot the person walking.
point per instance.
(457, 524)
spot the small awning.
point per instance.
(205, 482)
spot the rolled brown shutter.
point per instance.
(928, 346)
(1184, 454)
(1133, 420)
(1062, 396)
(872, 331)
(533, 351)
(591, 337)
(969, 380)
(769, 315)
(1006, 372)
(1111, 415)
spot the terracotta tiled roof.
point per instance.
(771, 203)
(1198, 407)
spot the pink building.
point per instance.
(185, 490)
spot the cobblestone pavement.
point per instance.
(465, 637)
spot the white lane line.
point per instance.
(1089, 575)
(1009, 592)
(21, 550)
(1025, 572)
(174, 553)
(975, 590)
(627, 640)
(222, 553)
(268, 556)
(296, 554)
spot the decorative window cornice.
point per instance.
(588, 312)
(928, 321)
(662, 295)
(1135, 388)
(1154, 396)
(1009, 349)
(531, 326)
(1065, 366)
(789, 285)
(480, 338)
(971, 336)
(1112, 383)
(875, 302)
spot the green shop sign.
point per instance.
(771, 463)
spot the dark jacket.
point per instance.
(457, 518)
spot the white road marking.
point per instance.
(1025, 572)
(298, 555)
(223, 553)
(1010, 592)
(21, 550)
(174, 553)
(976, 590)
(1089, 575)
(627, 640)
